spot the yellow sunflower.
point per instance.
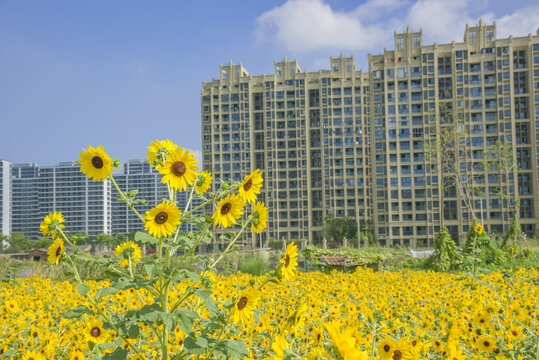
(318, 335)
(76, 355)
(289, 262)
(478, 228)
(251, 186)
(260, 217)
(95, 332)
(159, 150)
(95, 163)
(228, 211)
(179, 169)
(55, 251)
(49, 224)
(345, 342)
(11, 307)
(486, 343)
(135, 254)
(245, 305)
(279, 346)
(162, 220)
(32, 355)
(203, 182)
(386, 348)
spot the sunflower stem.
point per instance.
(220, 334)
(125, 199)
(231, 243)
(188, 290)
(215, 197)
(190, 198)
(191, 250)
(101, 313)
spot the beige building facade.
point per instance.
(350, 143)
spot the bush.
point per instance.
(254, 266)
(445, 257)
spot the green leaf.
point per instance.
(133, 332)
(236, 348)
(195, 346)
(8, 354)
(132, 193)
(184, 275)
(77, 312)
(198, 221)
(140, 201)
(145, 238)
(83, 289)
(186, 318)
(106, 291)
(206, 296)
(167, 319)
(118, 354)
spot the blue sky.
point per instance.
(124, 73)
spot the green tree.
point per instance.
(337, 229)
(18, 243)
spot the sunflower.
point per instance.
(203, 182)
(260, 217)
(289, 262)
(478, 228)
(95, 163)
(515, 333)
(159, 150)
(318, 335)
(135, 253)
(401, 350)
(454, 352)
(250, 186)
(55, 251)
(486, 343)
(76, 355)
(245, 306)
(32, 355)
(95, 332)
(50, 224)
(228, 211)
(179, 169)
(11, 306)
(279, 346)
(386, 348)
(162, 220)
(346, 342)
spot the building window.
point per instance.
(400, 43)
(490, 35)
(416, 42)
(472, 36)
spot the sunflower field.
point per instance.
(169, 312)
(405, 315)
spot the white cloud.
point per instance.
(309, 26)
(520, 23)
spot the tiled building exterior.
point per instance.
(88, 207)
(352, 143)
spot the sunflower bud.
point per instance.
(116, 163)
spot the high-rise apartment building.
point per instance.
(39, 190)
(5, 198)
(353, 143)
(28, 192)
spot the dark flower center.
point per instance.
(386, 348)
(242, 303)
(286, 260)
(514, 333)
(397, 355)
(95, 332)
(161, 218)
(225, 209)
(248, 185)
(58, 251)
(178, 168)
(318, 336)
(414, 343)
(34, 334)
(97, 162)
(486, 343)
